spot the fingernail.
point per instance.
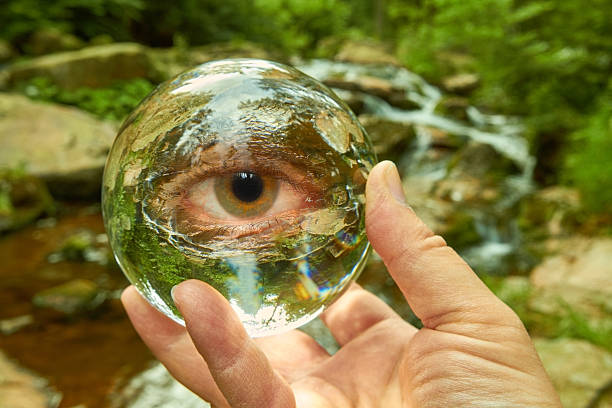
(394, 184)
(172, 293)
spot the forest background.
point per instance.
(549, 62)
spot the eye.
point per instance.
(244, 196)
(247, 201)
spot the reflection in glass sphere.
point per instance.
(248, 175)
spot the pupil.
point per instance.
(246, 186)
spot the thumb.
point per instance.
(438, 285)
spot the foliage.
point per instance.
(85, 18)
(589, 164)
(113, 103)
(545, 60)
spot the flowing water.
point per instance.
(498, 231)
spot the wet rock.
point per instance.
(7, 51)
(20, 389)
(154, 387)
(440, 138)
(453, 106)
(550, 212)
(389, 138)
(354, 99)
(23, 199)
(461, 84)
(49, 40)
(577, 369)
(75, 297)
(372, 85)
(63, 146)
(13, 325)
(83, 246)
(578, 278)
(91, 67)
(366, 53)
(482, 161)
(455, 224)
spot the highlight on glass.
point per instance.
(248, 175)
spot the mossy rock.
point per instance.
(75, 297)
(23, 199)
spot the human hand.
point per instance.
(473, 350)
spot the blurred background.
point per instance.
(497, 112)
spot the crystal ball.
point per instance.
(248, 175)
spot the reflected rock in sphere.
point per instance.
(245, 174)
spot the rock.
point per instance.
(443, 139)
(84, 245)
(389, 138)
(20, 389)
(579, 277)
(14, 324)
(7, 51)
(354, 99)
(91, 67)
(551, 212)
(169, 62)
(482, 161)
(372, 85)
(455, 224)
(63, 146)
(461, 84)
(455, 62)
(466, 189)
(154, 387)
(365, 53)
(23, 199)
(453, 106)
(50, 40)
(74, 297)
(577, 369)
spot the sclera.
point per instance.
(229, 116)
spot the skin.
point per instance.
(473, 350)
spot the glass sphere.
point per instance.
(248, 175)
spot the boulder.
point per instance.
(91, 67)
(578, 369)
(579, 277)
(62, 145)
(20, 389)
(359, 52)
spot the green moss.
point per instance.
(112, 103)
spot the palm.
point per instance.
(368, 378)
